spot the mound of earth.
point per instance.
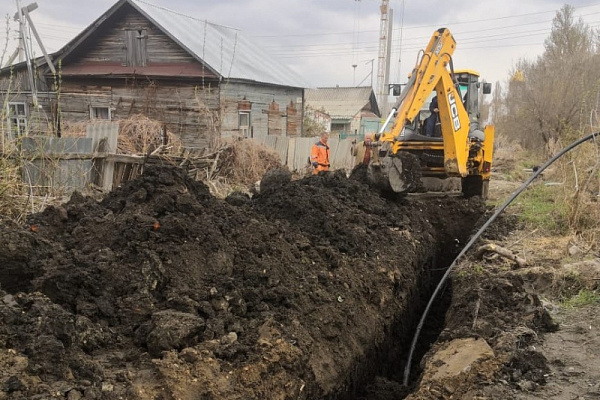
(307, 290)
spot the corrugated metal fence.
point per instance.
(58, 166)
(295, 152)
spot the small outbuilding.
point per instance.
(353, 110)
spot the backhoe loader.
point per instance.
(460, 147)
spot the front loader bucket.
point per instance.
(399, 173)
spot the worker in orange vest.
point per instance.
(319, 154)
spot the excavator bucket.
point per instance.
(399, 173)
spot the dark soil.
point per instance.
(161, 291)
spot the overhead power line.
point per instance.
(370, 42)
(428, 26)
(315, 50)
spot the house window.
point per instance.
(244, 123)
(100, 113)
(135, 47)
(17, 118)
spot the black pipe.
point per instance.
(476, 236)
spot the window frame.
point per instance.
(93, 114)
(244, 129)
(17, 120)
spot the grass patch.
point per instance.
(584, 298)
(540, 206)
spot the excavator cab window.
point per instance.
(469, 87)
(424, 114)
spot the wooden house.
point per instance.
(194, 76)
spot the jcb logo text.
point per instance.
(454, 111)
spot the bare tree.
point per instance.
(568, 38)
(547, 98)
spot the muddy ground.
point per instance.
(308, 290)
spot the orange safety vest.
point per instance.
(319, 157)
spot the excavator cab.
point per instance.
(470, 88)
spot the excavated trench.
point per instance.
(310, 289)
(381, 373)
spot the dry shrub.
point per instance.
(139, 134)
(11, 202)
(17, 197)
(244, 161)
(76, 129)
(506, 151)
(580, 172)
(509, 159)
(209, 119)
(220, 188)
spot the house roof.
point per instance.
(341, 102)
(226, 51)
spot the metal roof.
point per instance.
(225, 50)
(339, 102)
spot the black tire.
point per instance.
(474, 185)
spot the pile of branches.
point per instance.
(234, 162)
(245, 161)
(139, 134)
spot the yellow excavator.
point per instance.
(460, 147)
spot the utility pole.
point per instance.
(388, 59)
(383, 58)
(23, 35)
(21, 32)
(399, 75)
(22, 15)
(26, 11)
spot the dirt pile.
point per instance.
(163, 291)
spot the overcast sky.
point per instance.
(322, 39)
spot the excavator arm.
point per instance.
(432, 74)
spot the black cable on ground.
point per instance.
(475, 237)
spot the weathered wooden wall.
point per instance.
(15, 87)
(108, 44)
(17, 81)
(261, 98)
(185, 108)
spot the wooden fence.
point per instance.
(295, 152)
(58, 166)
